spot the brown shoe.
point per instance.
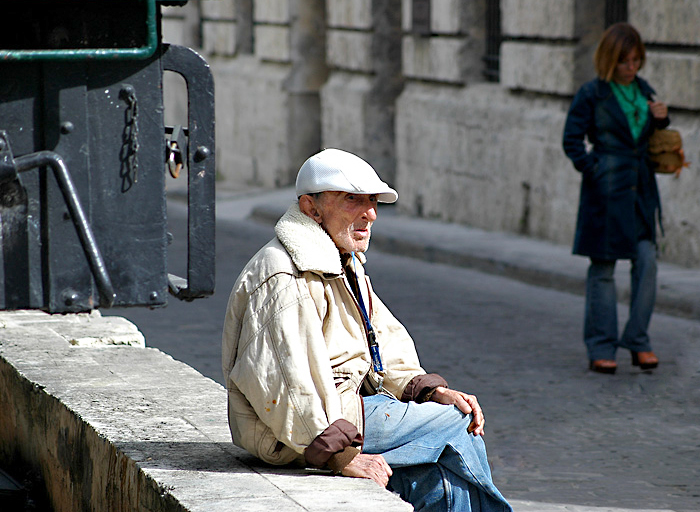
(603, 366)
(645, 360)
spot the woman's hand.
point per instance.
(677, 172)
(658, 109)
(468, 404)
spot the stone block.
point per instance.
(445, 16)
(272, 43)
(218, 9)
(538, 67)
(349, 14)
(406, 15)
(343, 111)
(271, 11)
(538, 18)
(349, 50)
(670, 21)
(219, 37)
(436, 59)
(675, 77)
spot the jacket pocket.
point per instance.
(269, 449)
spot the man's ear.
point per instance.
(307, 204)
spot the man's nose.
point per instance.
(370, 210)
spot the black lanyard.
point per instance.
(371, 335)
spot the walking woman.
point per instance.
(619, 201)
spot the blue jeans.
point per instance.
(600, 331)
(437, 464)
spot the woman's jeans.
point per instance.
(600, 324)
(437, 464)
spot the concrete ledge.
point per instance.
(125, 428)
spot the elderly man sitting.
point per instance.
(320, 373)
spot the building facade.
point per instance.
(460, 104)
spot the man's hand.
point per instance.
(468, 404)
(373, 467)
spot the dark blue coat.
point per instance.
(619, 200)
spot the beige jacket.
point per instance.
(295, 349)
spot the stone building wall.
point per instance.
(410, 96)
(364, 54)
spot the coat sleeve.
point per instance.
(661, 123)
(281, 364)
(579, 121)
(650, 94)
(421, 387)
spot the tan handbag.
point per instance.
(666, 149)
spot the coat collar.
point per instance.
(605, 94)
(603, 89)
(309, 246)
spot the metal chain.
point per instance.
(133, 124)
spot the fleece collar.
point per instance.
(309, 246)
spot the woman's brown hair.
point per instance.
(615, 44)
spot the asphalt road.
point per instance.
(556, 433)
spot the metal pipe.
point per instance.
(87, 239)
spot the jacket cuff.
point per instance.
(421, 387)
(339, 460)
(662, 123)
(340, 442)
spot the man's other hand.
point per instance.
(468, 404)
(373, 467)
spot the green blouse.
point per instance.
(633, 104)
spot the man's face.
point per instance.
(347, 218)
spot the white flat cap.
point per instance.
(340, 171)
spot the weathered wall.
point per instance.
(481, 156)
(357, 102)
(360, 75)
(81, 469)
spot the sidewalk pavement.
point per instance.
(525, 259)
